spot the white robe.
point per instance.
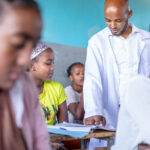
(134, 121)
(101, 84)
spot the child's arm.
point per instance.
(62, 113)
(77, 109)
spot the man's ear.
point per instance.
(130, 14)
(70, 77)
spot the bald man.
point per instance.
(114, 56)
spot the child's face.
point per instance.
(20, 29)
(44, 66)
(77, 75)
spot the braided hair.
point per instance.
(71, 67)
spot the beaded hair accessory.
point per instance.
(40, 47)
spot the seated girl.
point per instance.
(21, 124)
(75, 100)
(52, 96)
(74, 92)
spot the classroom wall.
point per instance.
(73, 22)
(64, 56)
(68, 25)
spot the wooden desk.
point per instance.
(100, 134)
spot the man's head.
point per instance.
(117, 13)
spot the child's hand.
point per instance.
(57, 146)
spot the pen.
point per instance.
(63, 128)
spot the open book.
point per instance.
(76, 130)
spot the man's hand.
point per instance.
(95, 120)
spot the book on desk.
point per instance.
(76, 130)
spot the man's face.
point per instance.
(116, 19)
(20, 29)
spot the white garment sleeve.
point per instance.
(93, 89)
(144, 65)
(134, 120)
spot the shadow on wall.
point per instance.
(64, 56)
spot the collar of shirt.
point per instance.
(134, 30)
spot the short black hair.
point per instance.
(69, 69)
(18, 3)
